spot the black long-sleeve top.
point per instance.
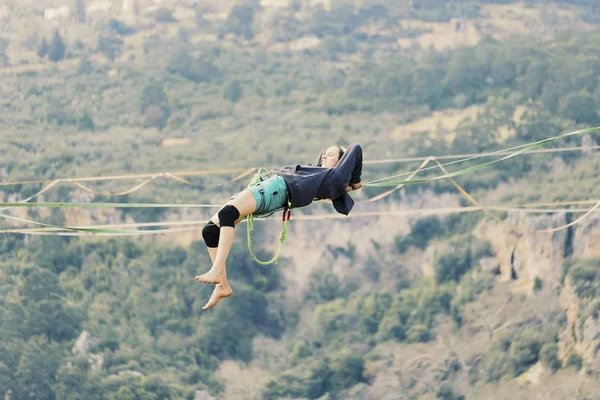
(306, 184)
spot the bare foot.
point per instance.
(221, 291)
(212, 276)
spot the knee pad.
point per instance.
(228, 215)
(211, 233)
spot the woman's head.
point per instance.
(332, 156)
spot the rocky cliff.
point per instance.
(524, 254)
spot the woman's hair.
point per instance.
(341, 149)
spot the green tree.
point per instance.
(110, 46)
(371, 310)
(201, 22)
(514, 352)
(574, 361)
(331, 47)
(239, 22)
(164, 15)
(4, 43)
(153, 95)
(193, 69)
(347, 369)
(154, 106)
(579, 107)
(309, 379)
(40, 286)
(233, 91)
(6, 380)
(12, 315)
(531, 83)
(80, 12)
(421, 233)
(119, 27)
(446, 392)
(538, 284)
(85, 122)
(412, 313)
(323, 286)
(43, 48)
(71, 383)
(524, 352)
(452, 266)
(549, 356)
(35, 376)
(392, 86)
(56, 51)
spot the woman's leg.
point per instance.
(222, 289)
(245, 204)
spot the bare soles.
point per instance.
(221, 291)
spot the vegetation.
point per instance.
(263, 87)
(514, 352)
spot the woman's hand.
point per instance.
(354, 186)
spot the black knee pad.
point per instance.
(228, 215)
(211, 233)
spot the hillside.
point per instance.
(408, 302)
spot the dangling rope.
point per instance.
(260, 176)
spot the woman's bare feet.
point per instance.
(212, 276)
(221, 291)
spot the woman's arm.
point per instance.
(349, 168)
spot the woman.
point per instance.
(338, 171)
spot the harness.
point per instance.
(260, 176)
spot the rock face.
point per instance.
(582, 332)
(96, 361)
(587, 238)
(203, 395)
(524, 254)
(83, 343)
(430, 256)
(587, 142)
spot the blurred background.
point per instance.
(410, 297)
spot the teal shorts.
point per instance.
(270, 195)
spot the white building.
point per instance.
(4, 12)
(57, 13)
(130, 6)
(305, 43)
(275, 3)
(100, 6)
(327, 4)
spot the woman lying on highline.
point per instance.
(337, 172)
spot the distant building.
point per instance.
(275, 3)
(130, 6)
(100, 5)
(164, 2)
(327, 4)
(57, 13)
(305, 43)
(215, 17)
(4, 12)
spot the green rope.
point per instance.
(93, 230)
(103, 205)
(523, 149)
(258, 177)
